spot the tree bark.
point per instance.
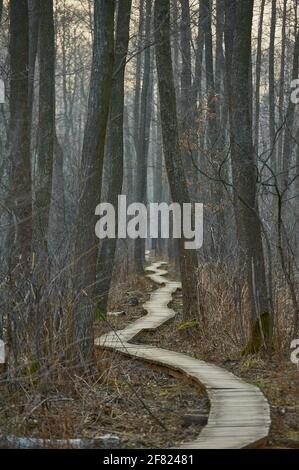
(272, 127)
(137, 111)
(172, 152)
(188, 106)
(258, 79)
(86, 245)
(289, 125)
(143, 140)
(46, 131)
(34, 17)
(115, 146)
(197, 85)
(138, 78)
(186, 73)
(20, 193)
(244, 173)
(213, 136)
(282, 78)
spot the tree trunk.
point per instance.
(258, 79)
(86, 245)
(143, 141)
(186, 73)
(136, 107)
(196, 86)
(213, 151)
(244, 174)
(20, 193)
(46, 133)
(282, 79)
(272, 129)
(138, 78)
(188, 122)
(172, 152)
(115, 147)
(57, 222)
(199, 136)
(176, 47)
(34, 17)
(289, 125)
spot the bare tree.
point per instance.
(115, 147)
(34, 17)
(20, 194)
(272, 126)
(143, 138)
(258, 78)
(244, 171)
(282, 79)
(46, 130)
(86, 246)
(171, 146)
(289, 122)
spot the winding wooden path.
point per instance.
(239, 414)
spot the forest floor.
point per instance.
(126, 398)
(143, 407)
(278, 379)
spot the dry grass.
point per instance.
(119, 396)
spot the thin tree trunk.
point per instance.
(158, 169)
(175, 47)
(272, 128)
(289, 125)
(86, 245)
(213, 134)
(258, 78)
(188, 122)
(171, 146)
(18, 248)
(143, 141)
(244, 173)
(46, 130)
(34, 16)
(57, 223)
(138, 77)
(221, 112)
(196, 86)
(115, 147)
(186, 73)
(199, 137)
(20, 194)
(282, 79)
(137, 111)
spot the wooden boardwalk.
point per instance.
(239, 414)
